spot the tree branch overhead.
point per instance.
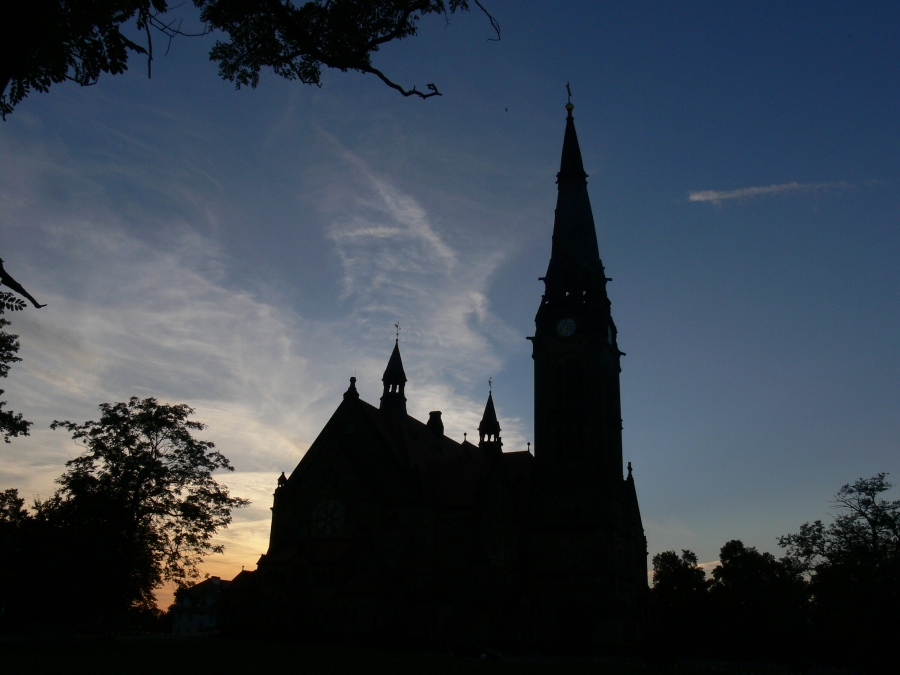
(43, 42)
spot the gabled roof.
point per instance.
(447, 472)
(211, 586)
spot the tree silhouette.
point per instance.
(680, 604)
(854, 570)
(43, 42)
(11, 424)
(141, 501)
(758, 604)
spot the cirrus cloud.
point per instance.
(718, 196)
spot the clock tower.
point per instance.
(577, 414)
(587, 554)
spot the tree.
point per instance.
(12, 509)
(14, 522)
(297, 41)
(141, 501)
(758, 604)
(677, 580)
(43, 42)
(680, 600)
(11, 424)
(865, 532)
(853, 566)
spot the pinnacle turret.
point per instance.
(489, 429)
(394, 373)
(394, 380)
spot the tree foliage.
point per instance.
(865, 533)
(677, 581)
(753, 607)
(296, 41)
(831, 599)
(680, 601)
(12, 509)
(144, 491)
(854, 570)
(758, 604)
(11, 424)
(43, 42)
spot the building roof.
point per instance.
(210, 586)
(394, 373)
(489, 423)
(574, 257)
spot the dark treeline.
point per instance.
(139, 507)
(831, 599)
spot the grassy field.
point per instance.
(209, 656)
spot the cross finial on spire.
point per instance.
(569, 106)
(490, 385)
(569, 91)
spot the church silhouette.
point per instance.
(389, 529)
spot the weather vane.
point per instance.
(397, 326)
(490, 385)
(569, 91)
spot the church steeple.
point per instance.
(394, 379)
(489, 429)
(575, 265)
(576, 357)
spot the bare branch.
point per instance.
(406, 92)
(149, 48)
(494, 23)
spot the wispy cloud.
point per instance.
(397, 266)
(130, 314)
(718, 196)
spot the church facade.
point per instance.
(387, 527)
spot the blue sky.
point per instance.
(246, 252)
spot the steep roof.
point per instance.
(448, 472)
(489, 423)
(394, 373)
(574, 257)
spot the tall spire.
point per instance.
(577, 412)
(394, 379)
(575, 259)
(489, 429)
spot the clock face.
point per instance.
(565, 327)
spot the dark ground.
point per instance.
(198, 656)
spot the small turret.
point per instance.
(393, 398)
(351, 390)
(489, 429)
